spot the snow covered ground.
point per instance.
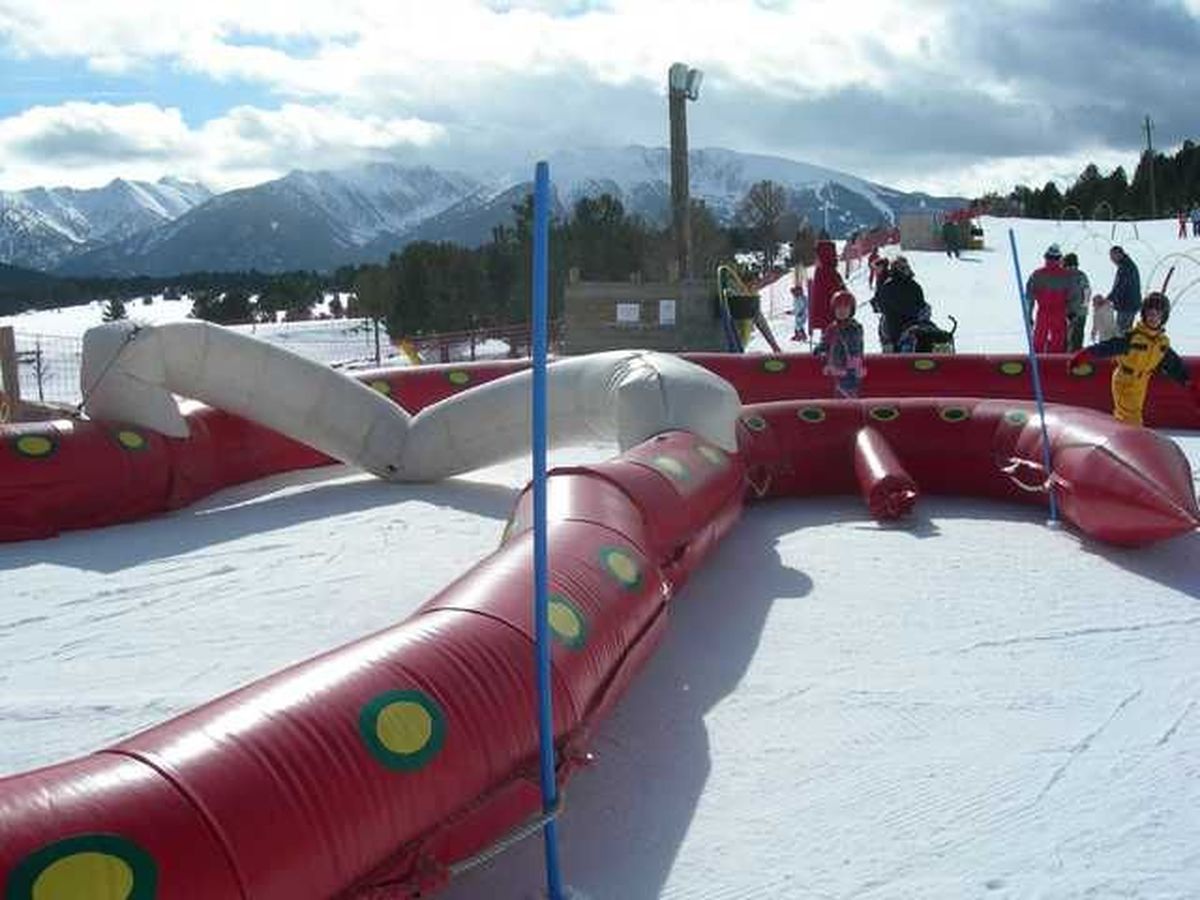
(969, 705)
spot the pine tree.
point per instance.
(115, 310)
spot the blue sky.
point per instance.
(941, 95)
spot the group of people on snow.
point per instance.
(1058, 297)
(1185, 217)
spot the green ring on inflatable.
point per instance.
(774, 366)
(380, 386)
(672, 468)
(621, 565)
(131, 440)
(404, 730)
(954, 413)
(884, 413)
(1016, 417)
(1083, 370)
(755, 423)
(459, 378)
(567, 622)
(85, 866)
(1011, 367)
(924, 364)
(811, 414)
(34, 446)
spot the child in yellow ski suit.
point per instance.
(1141, 352)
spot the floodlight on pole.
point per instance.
(683, 84)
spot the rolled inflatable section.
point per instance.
(888, 490)
(385, 761)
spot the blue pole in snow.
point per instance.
(541, 599)
(1037, 377)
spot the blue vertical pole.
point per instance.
(1047, 460)
(541, 598)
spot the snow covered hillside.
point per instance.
(967, 705)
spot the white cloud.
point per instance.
(96, 142)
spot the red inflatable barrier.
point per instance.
(387, 760)
(1116, 483)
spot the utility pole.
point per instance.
(683, 84)
(1148, 127)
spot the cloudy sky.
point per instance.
(952, 96)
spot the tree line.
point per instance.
(1176, 180)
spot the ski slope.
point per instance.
(967, 705)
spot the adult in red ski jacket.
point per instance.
(825, 283)
(1048, 290)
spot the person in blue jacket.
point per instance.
(1126, 293)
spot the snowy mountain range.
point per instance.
(320, 220)
(42, 227)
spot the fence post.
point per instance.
(10, 380)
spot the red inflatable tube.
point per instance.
(888, 490)
(59, 476)
(1116, 483)
(385, 761)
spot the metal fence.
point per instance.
(48, 367)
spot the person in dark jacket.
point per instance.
(1141, 353)
(1047, 292)
(951, 238)
(901, 302)
(1126, 292)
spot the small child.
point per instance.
(1104, 319)
(842, 346)
(1141, 352)
(799, 311)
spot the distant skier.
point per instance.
(1046, 294)
(799, 306)
(951, 239)
(1141, 353)
(842, 346)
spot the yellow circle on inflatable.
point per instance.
(1012, 367)
(381, 387)
(623, 567)
(774, 365)
(84, 876)
(924, 365)
(459, 378)
(564, 621)
(1083, 370)
(131, 440)
(671, 466)
(404, 727)
(34, 445)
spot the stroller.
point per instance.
(926, 337)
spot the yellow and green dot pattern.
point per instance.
(403, 729)
(85, 867)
